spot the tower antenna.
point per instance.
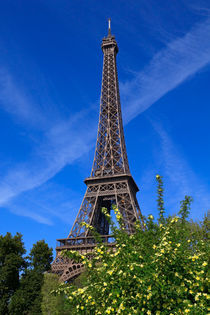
(109, 26)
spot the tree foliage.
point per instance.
(27, 298)
(11, 264)
(52, 304)
(40, 257)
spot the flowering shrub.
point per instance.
(161, 270)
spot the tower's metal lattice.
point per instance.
(110, 181)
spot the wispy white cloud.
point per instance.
(179, 60)
(16, 101)
(22, 211)
(61, 145)
(181, 180)
(47, 203)
(66, 141)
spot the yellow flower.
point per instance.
(204, 264)
(89, 297)
(178, 245)
(187, 310)
(149, 296)
(149, 288)
(154, 246)
(80, 290)
(197, 278)
(149, 312)
(105, 284)
(82, 307)
(89, 265)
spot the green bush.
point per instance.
(162, 269)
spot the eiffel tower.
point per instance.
(110, 181)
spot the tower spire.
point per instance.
(109, 27)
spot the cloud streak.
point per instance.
(182, 180)
(16, 102)
(61, 145)
(170, 67)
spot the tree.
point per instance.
(52, 304)
(11, 264)
(40, 257)
(27, 299)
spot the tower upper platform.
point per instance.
(109, 42)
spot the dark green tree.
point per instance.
(11, 264)
(27, 299)
(40, 257)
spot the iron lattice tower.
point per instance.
(110, 181)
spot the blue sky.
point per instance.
(50, 80)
